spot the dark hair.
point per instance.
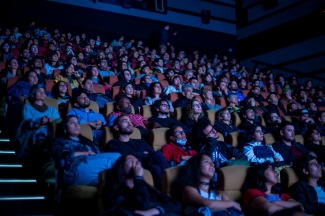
(243, 111)
(300, 164)
(220, 112)
(26, 75)
(76, 94)
(156, 105)
(255, 179)
(269, 96)
(64, 73)
(89, 75)
(171, 130)
(198, 128)
(284, 124)
(319, 115)
(55, 89)
(189, 109)
(249, 132)
(150, 90)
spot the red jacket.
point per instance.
(173, 152)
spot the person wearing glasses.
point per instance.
(177, 150)
(155, 92)
(273, 120)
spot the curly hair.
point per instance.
(150, 90)
(189, 109)
(90, 76)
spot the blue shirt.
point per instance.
(84, 116)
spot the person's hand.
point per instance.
(50, 119)
(186, 157)
(138, 93)
(309, 120)
(168, 44)
(92, 125)
(98, 124)
(156, 125)
(232, 158)
(137, 168)
(145, 152)
(98, 38)
(76, 73)
(149, 212)
(22, 98)
(175, 33)
(44, 120)
(277, 159)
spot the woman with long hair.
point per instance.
(209, 102)
(128, 193)
(195, 188)
(155, 92)
(263, 196)
(194, 112)
(128, 91)
(94, 75)
(145, 82)
(61, 95)
(223, 123)
(69, 75)
(11, 70)
(53, 63)
(174, 86)
(255, 149)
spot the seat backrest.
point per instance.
(288, 178)
(115, 91)
(12, 81)
(111, 80)
(168, 177)
(143, 94)
(323, 140)
(231, 180)
(221, 138)
(109, 134)
(300, 138)
(86, 131)
(56, 73)
(245, 92)
(157, 138)
(261, 119)
(145, 111)
(173, 96)
(222, 102)
(48, 101)
(269, 138)
(207, 87)
(164, 83)
(288, 118)
(137, 81)
(99, 89)
(264, 94)
(232, 138)
(179, 112)
(211, 114)
(235, 119)
(160, 76)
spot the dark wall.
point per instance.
(109, 25)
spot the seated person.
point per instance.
(145, 70)
(103, 69)
(262, 195)
(309, 190)
(175, 85)
(233, 88)
(123, 105)
(256, 150)
(39, 113)
(286, 146)
(37, 65)
(302, 97)
(177, 150)
(273, 104)
(61, 95)
(255, 92)
(206, 137)
(154, 92)
(154, 161)
(193, 113)
(84, 161)
(87, 116)
(312, 109)
(320, 118)
(70, 76)
(223, 123)
(195, 84)
(129, 194)
(319, 98)
(303, 122)
(128, 91)
(209, 102)
(251, 103)
(286, 97)
(233, 103)
(52, 64)
(124, 78)
(292, 108)
(187, 95)
(160, 110)
(11, 70)
(145, 82)
(93, 74)
(194, 187)
(273, 122)
(314, 143)
(88, 87)
(248, 118)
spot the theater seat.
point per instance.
(12, 81)
(179, 112)
(288, 178)
(115, 91)
(164, 83)
(222, 102)
(245, 92)
(157, 138)
(300, 138)
(262, 121)
(137, 81)
(288, 118)
(168, 177)
(231, 180)
(111, 80)
(109, 134)
(207, 87)
(48, 101)
(269, 138)
(211, 115)
(235, 119)
(232, 138)
(221, 138)
(174, 96)
(145, 111)
(99, 89)
(160, 76)
(323, 140)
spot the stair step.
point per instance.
(12, 171)
(19, 187)
(5, 144)
(7, 156)
(23, 205)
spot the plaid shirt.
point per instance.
(136, 119)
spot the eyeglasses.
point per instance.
(179, 132)
(274, 117)
(164, 105)
(34, 48)
(63, 86)
(197, 105)
(157, 86)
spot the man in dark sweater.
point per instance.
(304, 122)
(287, 147)
(309, 190)
(154, 161)
(248, 118)
(160, 111)
(187, 95)
(272, 122)
(256, 93)
(273, 104)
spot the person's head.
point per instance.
(194, 108)
(71, 126)
(37, 93)
(13, 64)
(247, 113)
(254, 133)
(302, 114)
(271, 87)
(292, 107)
(287, 92)
(222, 86)
(155, 89)
(313, 135)
(126, 74)
(80, 99)
(34, 49)
(256, 82)
(250, 101)
(287, 131)
(175, 80)
(319, 94)
(307, 167)
(232, 99)
(160, 107)
(262, 177)
(53, 57)
(224, 115)
(177, 135)
(320, 117)
(188, 74)
(312, 107)
(123, 125)
(273, 117)
(207, 94)
(87, 85)
(194, 82)
(233, 86)
(26, 54)
(128, 89)
(102, 63)
(159, 62)
(145, 70)
(124, 105)
(60, 89)
(146, 79)
(187, 91)
(272, 98)
(31, 77)
(308, 84)
(256, 90)
(203, 129)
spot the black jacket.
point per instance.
(286, 152)
(188, 123)
(227, 150)
(319, 150)
(223, 128)
(273, 107)
(141, 197)
(259, 98)
(181, 102)
(306, 194)
(245, 124)
(168, 122)
(321, 129)
(302, 127)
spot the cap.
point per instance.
(302, 111)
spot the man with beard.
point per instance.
(273, 121)
(256, 93)
(37, 65)
(24, 58)
(273, 104)
(287, 147)
(248, 118)
(87, 116)
(154, 161)
(124, 108)
(233, 88)
(304, 122)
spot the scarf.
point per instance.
(39, 108)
